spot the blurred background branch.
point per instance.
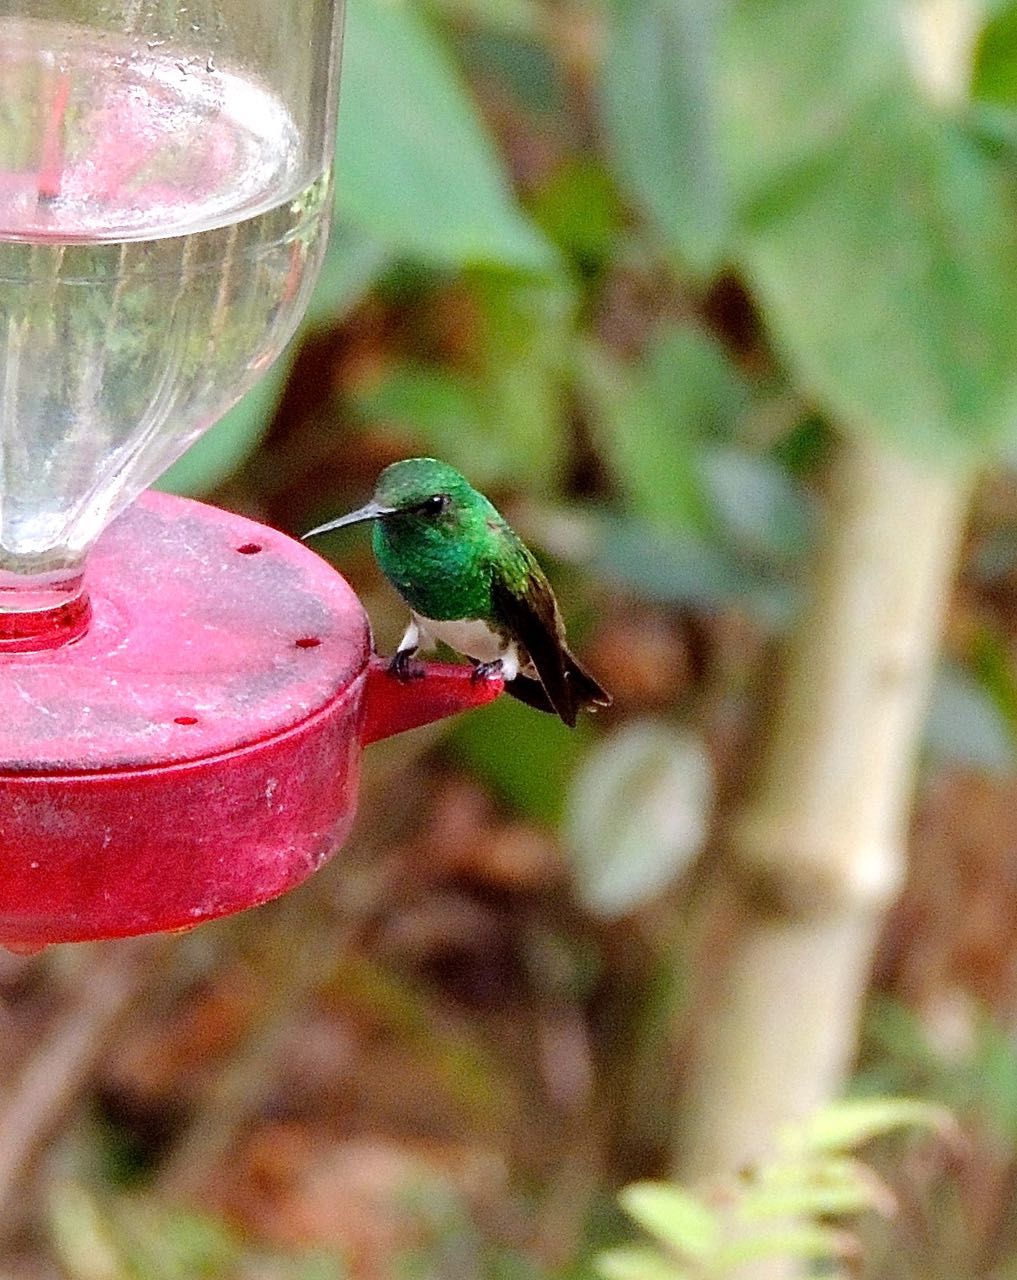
(62, 1064)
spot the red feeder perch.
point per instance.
(185, 693)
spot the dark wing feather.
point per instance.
(531, 617)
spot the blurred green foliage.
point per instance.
(130, 1238)
(978, 1082)
(784, 141)
(417, 170)
(795, 1206)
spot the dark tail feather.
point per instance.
(588, 693)
(584, 691)
(532, 692)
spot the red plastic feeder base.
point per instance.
(197, 750)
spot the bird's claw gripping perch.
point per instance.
(485, 670)
(404, 668)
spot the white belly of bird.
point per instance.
(469, 636)
(473, 638)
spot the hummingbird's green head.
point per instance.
(419, 497)
(434, 537)
(424, 489)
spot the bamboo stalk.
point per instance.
(817, 854)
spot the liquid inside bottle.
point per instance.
(158, 243)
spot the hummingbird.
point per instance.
(471, 583)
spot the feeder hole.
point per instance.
(308, 642)
(249, 548)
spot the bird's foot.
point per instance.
(404, 668)
(485, 670)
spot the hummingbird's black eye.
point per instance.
(435, 505)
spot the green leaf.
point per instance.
(805, 1243)
(796, 76)
(416, 169)
(965, 726)
(995, 70)
(651, 420)
(760, 507)
(658, 101)
(674, 1216)
(637, 813)
(879, 238)
(993, 667)
(513, 64)
(696, 384)
(848, 1124)
(525, 333)
(992, 1077)
(654, 463)
(633, 1263)
(903, 222)
(519, 17)
(219, 452)
(441, 409)
(580, 210)
(685, 569)
(829, 1187)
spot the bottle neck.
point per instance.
(42, 611)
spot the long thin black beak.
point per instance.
(373, 511)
